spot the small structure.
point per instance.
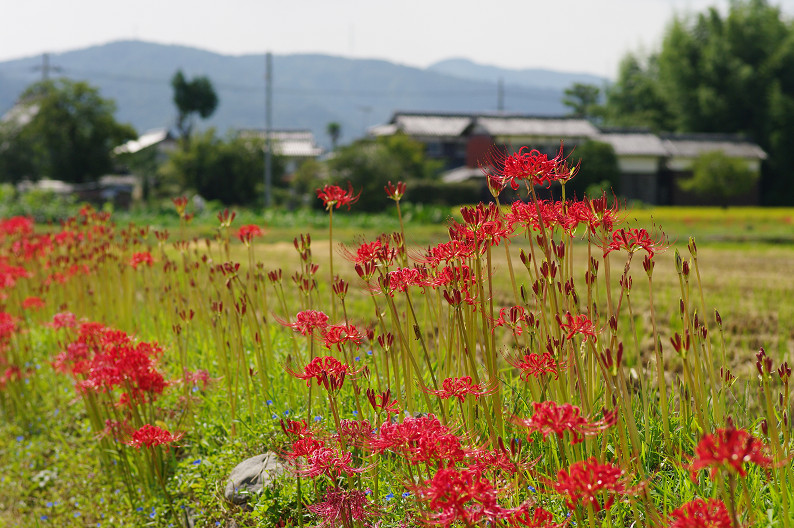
(295, 146)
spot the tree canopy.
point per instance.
(726, 73)
(68, 133)
(196, 96)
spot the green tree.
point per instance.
(334, 130)
(598, 170)
(370, 164)
(67, 133)
(583, 100)
(636, 99)
(730, 73)
(229, 170)
(715, 176)
(196, 96)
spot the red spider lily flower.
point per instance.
(728, 448)
(701, 513)
(379, 251)
(327, 370)
(490, 460)
(383, 402)
(307, 321)
(340, 506)
(395, 192)
(551, 418)
(247, 233)
(338, 335)
(295, 428)
(515, 318)
(334, 196)
(330, 462)
(422, 439)
(535, 365)
(534, 518)
(583, 483)
(530, 166)
(198, 378)
(460, 387)
(454, 250)
(402, 278)
(547, 213)
(579, 324)
(635, 239)
(355, 432)
(33, 303)
(460, 495)
(180, 203)
(152, 435)
(303, 447)
(139, 259)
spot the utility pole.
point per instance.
(500, 96)
(268, 128)
(46, 68)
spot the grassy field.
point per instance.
(60, 467)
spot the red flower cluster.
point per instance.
(584, 481)
(579, 324)
(635, 239)
(101, 359)
(327, 370)
(247, 233)
(460, 387)
(152, 435)
(139, 259)
(334, 196)
(340, 506)
(532, 167)
(729, 449)
(701, 513)
(307, 321)
(422, 439)
(535, 365)
(552, 418)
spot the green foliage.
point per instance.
(636, 99)
(583, 100)
(70, 135)
(719, 177)
(369, 165)
(440, 193)
(192, 97)
(598, 170)
(334, 130)
(229, 170)
(729, 73)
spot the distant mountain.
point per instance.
(536, 78)
(309, 91)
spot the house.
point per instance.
(295, 146)
(649, 163)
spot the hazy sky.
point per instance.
(571, 35)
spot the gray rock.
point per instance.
(251, 475)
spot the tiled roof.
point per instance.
(634, 143)
(537, 126)
(431, 125)
(693, 145)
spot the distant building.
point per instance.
(295, 146)
(649, 163)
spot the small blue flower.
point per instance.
(20, 438)
(44, 517)
(357, 358)
(532, 489)
(196, 462)
(269, 402)
(318, 418)
(274, 416)
(50, 504)
(406, 494)
(286, 413)
(389, 497)
(355, 413)
(139, 508)
(77, 514)
(369, 352)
